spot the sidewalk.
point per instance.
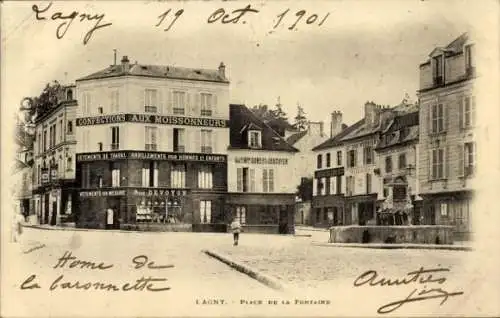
(454, 247)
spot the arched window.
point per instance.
(69, 94)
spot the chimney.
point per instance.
(372, 113)
(114, 59)
(222, 70)
(316, 128)
(125, 63)
(336, 124)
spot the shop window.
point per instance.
(205, 212)
(241, 214)
(150, 174)
(205, 177)
(178, 176)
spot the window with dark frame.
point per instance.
(319, 161)
(339, 158)
(388, 164)
(328, 159)
(402, 161)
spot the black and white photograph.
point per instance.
(250, 158)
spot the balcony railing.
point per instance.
(179, 148)
(151, 147)
(438, 80)
(178, 111)
(206, 112)
(115, 146)
(206, 149)
(150, 109)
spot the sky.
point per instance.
(365, 50)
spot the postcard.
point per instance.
(249, 158)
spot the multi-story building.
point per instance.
(302, 162)
(448, 149)
(261, 192)
(152, 146)
(54, 159)
(397, 152)
(23, 171)
(329, 179)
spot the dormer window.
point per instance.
(438, 69)
(254, 139)
(469, 59)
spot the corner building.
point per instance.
(152, 147)
(447, 124)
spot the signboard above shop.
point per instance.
(152, 119)
(148, 155)
(165, 193)
(333, 172)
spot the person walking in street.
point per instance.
(236, 229)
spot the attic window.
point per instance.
(254, 139)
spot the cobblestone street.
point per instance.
(312, 273)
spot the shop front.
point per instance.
(263, 213)
(360, 209)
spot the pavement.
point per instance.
(310, 275)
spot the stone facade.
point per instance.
(447, 122)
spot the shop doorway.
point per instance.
(46, 209)
(53, 219)
(283, 220)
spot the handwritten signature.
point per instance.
(69, 261)
(421, 276)
(68, 20)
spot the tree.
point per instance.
(305, 189)
(278, 111)
(300, 120)
(37, 106)
(262, 111)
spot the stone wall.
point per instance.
(425, 234)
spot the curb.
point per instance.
(60, 228)
(264, 279)
(311, 229)
(397, 246)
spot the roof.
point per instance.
(454, 47)
(296, 137)
(162, 71)
(338, 139)
(403, 129)
(240, 118)
(19, 165)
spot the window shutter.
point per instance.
(429, 163)
(461, 164)
(473, 110)
(271, 180)
(446, 120)
(188, 108)
(429, 119)
(239, 179)
(264, 180)
(447, 162)
(333, 189)
(315, 187)
(461, 112)
(252, 180)
(196, 140)
(170, 101)
(215, 106)
(196, 105)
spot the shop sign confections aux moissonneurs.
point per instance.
(152, 119)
